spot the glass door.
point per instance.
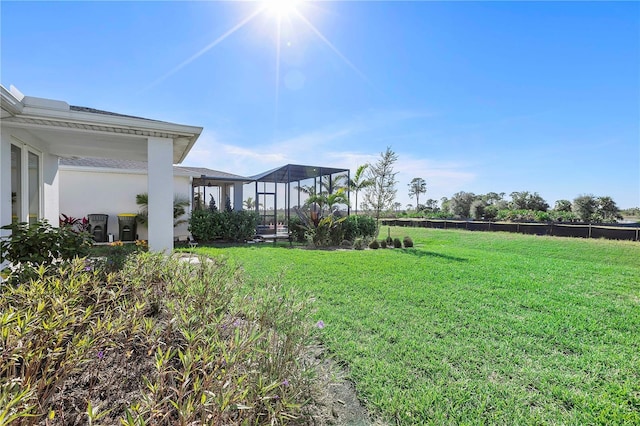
(26, 184)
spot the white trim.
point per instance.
(90, 169)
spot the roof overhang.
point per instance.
(296, 173)
(84, 132)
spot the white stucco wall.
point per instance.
(86, 191)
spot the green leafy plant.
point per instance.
(359, 226)
(383, 244)
(39, 246)
(159, 342)
(208, 225)
(407, 242)
(397, 243)
(180, 205)
(374, 244)
(359, 244)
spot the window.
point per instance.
(16, 184)
(26, 184)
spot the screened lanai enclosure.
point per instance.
(281, 192)
(276, 194)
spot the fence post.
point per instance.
(589, 229)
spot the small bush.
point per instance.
(359, 226)
(408, 242)
(375, 245)
(383, 244)
(39, 246)
(297, 230)
(358, 244)
(346, 244)
(208, 225)
(397, 243)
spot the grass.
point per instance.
(476, 328)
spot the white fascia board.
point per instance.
(101, 170)
(97, 119)
(89, 169)
(9, 102)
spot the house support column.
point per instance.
(160, 188)
(237, 196)
(50, 196)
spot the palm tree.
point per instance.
(250, 204)
(179, 208)
(359, 182)
(330, 184)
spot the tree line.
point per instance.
(377, 181)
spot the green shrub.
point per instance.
(374, 244)
(202, 226)
(40, 245)
(208, 225)
(238, 225)
(383, 244)
(397, 243)
(408, 242)
(297, 230)
(358, 244)
(359, 226)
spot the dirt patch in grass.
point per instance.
(334, 398)
(114, 381)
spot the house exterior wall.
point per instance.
(86, 191)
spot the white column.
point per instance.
(5, 181)
(51, 189)
(237, 196)
(160, 188)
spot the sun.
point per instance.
(282, 8)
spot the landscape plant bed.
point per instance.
(476, 327)
(160, 342)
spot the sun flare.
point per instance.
(282, 8)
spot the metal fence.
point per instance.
(580, 230)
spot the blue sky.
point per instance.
(481, 96)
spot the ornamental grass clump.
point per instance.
(160, 342)
(407, 242)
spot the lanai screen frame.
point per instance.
(295, 173)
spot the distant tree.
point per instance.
(460, 203)
(416, 187)
(445, 205)
(431, 204)
(359, 182)
(585, 207)
(249, 204)
(381, 194)
(409, 206)
(526, 201)
(397, 206)
(562, 206)
(608, 209)
(331, 183)
(632, 212)
(477, 209)
(491, 198)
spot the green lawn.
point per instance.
(471, 327)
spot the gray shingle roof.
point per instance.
(115, 114)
